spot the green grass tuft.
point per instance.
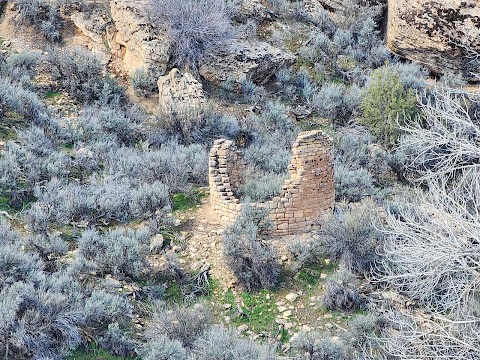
(52, 94)
(260, 312)
(173, 293)
(4, 204)
(92, 352)
(183, 202)
(310, 275)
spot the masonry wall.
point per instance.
(307, 195)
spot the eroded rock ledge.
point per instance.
(443, 35)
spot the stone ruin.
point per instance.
(307, 195)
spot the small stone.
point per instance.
(287, 313)
(280, 303)
(323, 276)
(291, 297)
(226, 319)
(288, 325)
(284, 258)
(227, 306)
(306, 328)
(156, 243)
(327, 316)
(243, 328)
(267, 296)
(112, 282)
(282, 308)
(329, 325)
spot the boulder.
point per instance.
(179, 90)
(443, 35)
(334, 5)
(291, 297)
(92, 25)
(254, 9)
(136, 40)
(93, 28)
(239, 60)
(156, 244)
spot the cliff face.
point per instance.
(443, 35)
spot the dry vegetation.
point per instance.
(107, 247)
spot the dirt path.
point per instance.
(204, 232)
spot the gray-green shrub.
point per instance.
(80, 73)
(194, 27)
(314, 346)
(261, 186)
(43, 15)
(220, 343)
(143, 83)
(337, 102)
(253, 261)
(179, 323)
(351, 236)
(341, 292)
(20, 101)
(118, 251)
(352, 184)
(306, 251)
(46, 314)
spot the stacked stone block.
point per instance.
(307, 195)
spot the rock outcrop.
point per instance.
(332, 5)
(335, 5)
(92, 25)
(254, 9)
(239, 60)
(179, 91)
(443, 35)
(92, 30)
(136, 40)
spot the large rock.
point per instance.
(332, 5)
(92, 28)
(240, 59)
(92, 25)
(443, 35)
(137, 40)
(254, 9)
(179, 92)
(335, 5)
